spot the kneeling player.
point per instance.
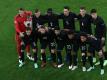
(52, 46)
(71, 49)
(94, 44)
(43, 36)
(60, 45)
(29, 39)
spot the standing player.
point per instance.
(100, 31)
(85, 21)
(68, 19)
(85, 25)
(38, 20)
(52, 20)
(20, 28)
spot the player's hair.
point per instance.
(37, 10)
(49, 10)
(82, 8)
(66, 7)
(21, 9)
(93, 11)
(70, 32)
(83, 34)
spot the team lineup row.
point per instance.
(30, 28)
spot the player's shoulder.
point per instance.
(72, 13)
(100, 19)
(17, 16)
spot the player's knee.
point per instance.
(42, 50)
(52, 51)
(83, 54)
(104, 48)
(100, 53)
(88, 54)
(34, 50)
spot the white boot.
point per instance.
(89, 69)
(83, 69)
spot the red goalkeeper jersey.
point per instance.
(19, 22)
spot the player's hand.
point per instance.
(46, 28)
(103, 39)
(21, 34)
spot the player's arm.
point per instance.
(17, 27)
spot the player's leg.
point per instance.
(23, 45)
(84, 55)
(104, 50)
(43, 53)
(68, 49)
(94, 57)
(83, 61)
(18, 41)
(74, 55)
(60, 47)
(29, 56)
(34, 49)
(90, 58)
(101, 59)
(53, 54)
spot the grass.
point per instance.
(8, 56)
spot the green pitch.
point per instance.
(8, 56)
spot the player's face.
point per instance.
(38, 14)
(82, 12)
(28, 32)
(49, 14)
(42, 30)
(83, 38)
(21, 12)
(66, 12)
(94, 15)
(70, 36)
(57, 32)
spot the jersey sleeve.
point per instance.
(16, 25)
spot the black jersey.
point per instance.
(43, 37)
(74, 40)
(51, 35)
(95, 43)
(85, 23)
(60, 37)
(52, 20)
(68, 21)
(100, 30)
(27, 39)
(36, 22)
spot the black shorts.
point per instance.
(60, 46)
(75, 47)
(97, 48)
(44, 45)
(32, 44)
